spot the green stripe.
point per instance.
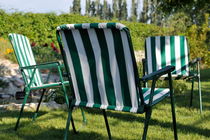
(94, 25)
(111, 25)
(163, 53)
(173, 51)
(154, 63)
(92, 64)
(76, 63)
(182, 53)
(122, 67)
(106, 67)
(78, 26)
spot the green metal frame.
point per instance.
(147, 108)
(194, 75)
(28, 88)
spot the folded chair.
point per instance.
(31, 74)
(172, 50)
(100, 62)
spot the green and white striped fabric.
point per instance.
(101, 62)
(25, 57)
(167, 50)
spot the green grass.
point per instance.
(50, 124)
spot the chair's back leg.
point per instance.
(73, 126)
(146, 123)
(40, 100)
(199, 86)
(107, 124)
(200, 96)
(83, 116)
(22, 107)
(191, 96)
(173, 107)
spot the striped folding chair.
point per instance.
(101, 66)
(31, 74)
(172, 50)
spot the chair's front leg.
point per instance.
(146, 123)
(22, 108)
(70, 109)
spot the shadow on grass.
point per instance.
(15, 113)
(154, 122)
(46, 134)
(184, 99)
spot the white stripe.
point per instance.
(70, 26)
(186, 56)
(85, 25)
(99, 67)
(158, 53)
(84, 66)
(71, 68)
(160, 94)
(168, 50)
(147, 92)
(156, 96)
(130, 72)
(102, 25)
(177, 54)
(149, 55)
(114, 67)
(29, 51)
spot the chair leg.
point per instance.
(22, 107)
(191, 96)
(68, 122)
(73, 126)
(146, 123)
(107, 124)
(173, 116)
(83, 116)
(200, 96)
(40, 100)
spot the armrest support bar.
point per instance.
(157, 74)
(42, 66)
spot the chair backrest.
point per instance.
(25, 57)
(100, 59)
(167, 50)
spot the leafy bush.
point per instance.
(40, 28)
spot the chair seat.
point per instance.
(159, 94)
(49, 85)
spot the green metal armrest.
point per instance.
(157, 74)
(42, 66)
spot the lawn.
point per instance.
(50, 124)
